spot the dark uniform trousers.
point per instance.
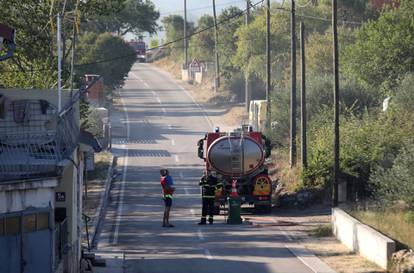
(208, 209)
(209, 186)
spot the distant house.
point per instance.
(41, 177)
(379, 4)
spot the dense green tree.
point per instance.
(93, 53)
(134, 16)
(383, 50)
(174, 28)
(202, 44)
(227, 40)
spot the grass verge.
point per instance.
(102, 162)
(398, 225)
(322, 231)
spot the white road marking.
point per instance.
(163, 110)
(146, 84)
(153, 93)
(169, 126)
(158, 100)
(172, 142)
(210, 123)
(186, 191)
(181, 175)
(124, 174)
(192, 212)
(200, 235)
(309, 259)
(208, 254)
(176, 158)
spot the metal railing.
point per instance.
(35, 148)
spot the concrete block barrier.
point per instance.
(361, 238)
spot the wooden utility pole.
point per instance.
(247, 77)
(336, 104)
(268, 79)
(303, 96)
(217, 81)
(185, 36)
(72, 62)
(59, 53)
(293, 149)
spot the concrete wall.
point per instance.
(24, 194)
(361, 238)
(185, 75)
(198, 77)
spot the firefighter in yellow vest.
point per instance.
(210, 186)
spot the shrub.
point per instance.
(396, 183)
(364, 143)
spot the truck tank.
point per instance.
(235, 156)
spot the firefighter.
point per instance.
(210, 187)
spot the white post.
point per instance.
(59, 63)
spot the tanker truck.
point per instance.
(239, 157)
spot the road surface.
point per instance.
(158, 125)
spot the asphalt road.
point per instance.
(157, 126)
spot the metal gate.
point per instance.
(26, 242)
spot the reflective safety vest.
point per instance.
(166, 189)
(210, 185)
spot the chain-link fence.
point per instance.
(34, 139)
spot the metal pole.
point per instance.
(293, 150)
(72, 63)
(247, 77)
(268, 79)
(59, 52)
(336, 104)
(303, 96)
(185, 36)
(217, 82)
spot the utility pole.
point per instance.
(217, 81)
(268, 79)
(59, 53)
(303, 96)
(185, 36)
(336, 103)
(247, 77)
(293, 152)
(72, 62)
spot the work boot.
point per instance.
(203, 221)
(210, 221)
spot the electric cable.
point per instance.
(153, 48)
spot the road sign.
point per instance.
(195, 66)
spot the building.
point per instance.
(379, 4)
(41, 176)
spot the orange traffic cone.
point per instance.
(233, 188)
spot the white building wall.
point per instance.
(22, 195)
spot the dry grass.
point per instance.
(322, 231)
(289, 177)
(102, 161)
(398, 225)
(338, 257)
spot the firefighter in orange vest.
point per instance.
(210, 186)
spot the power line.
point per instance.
(150, 49)
(199, 8)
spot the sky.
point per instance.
(195, 9)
